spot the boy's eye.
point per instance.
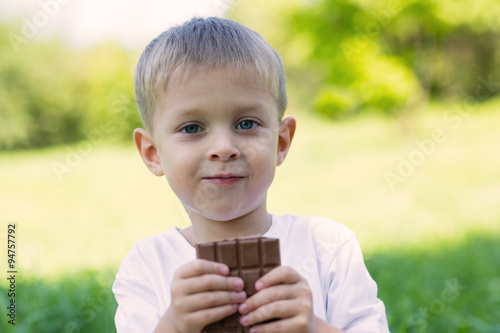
(191, 129)
(246, 124)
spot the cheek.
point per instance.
(262, 148)
(263, 159)
(178, 166)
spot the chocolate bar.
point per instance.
(248, 258)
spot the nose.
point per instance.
(223, 147)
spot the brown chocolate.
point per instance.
(248, 258)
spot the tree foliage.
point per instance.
(52, 94)
(356, 55)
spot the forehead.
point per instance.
(187, 87)
(236, 74)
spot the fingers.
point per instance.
(276, 302)
(213, 314)
(201, 275)
(203, 293)
(278, 309)
(200, 267)
(282, 294)
(263, 297)
(207, 282)
(286, 283)
(279, 275)
(209, 299)
(285, 325)
(195, 321)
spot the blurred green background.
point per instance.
(398, 138)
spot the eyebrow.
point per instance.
(241, 108)
(245, 108)
(187, 111)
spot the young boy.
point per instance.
(211, 94)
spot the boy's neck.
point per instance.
(256, 223)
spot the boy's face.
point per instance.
(217, 139)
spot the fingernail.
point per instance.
(254, 330)
(224, 270)
(243, 308)
(258, 285)
(244, 320)
(238, 283)
(242, 296)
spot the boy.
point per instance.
(211, 94)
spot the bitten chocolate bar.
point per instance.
(248, 258)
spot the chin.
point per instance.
(222, 217)
(224, 214)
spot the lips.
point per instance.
(224, 179)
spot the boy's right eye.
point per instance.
(191, 129)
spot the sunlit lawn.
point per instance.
(440, 221)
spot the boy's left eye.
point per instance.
(246, 124)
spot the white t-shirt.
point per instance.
(325, 252)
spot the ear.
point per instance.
(285, 136)
(147, 148)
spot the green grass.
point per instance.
(78, 302)
(448, 287)
(441, 222)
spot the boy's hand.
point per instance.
(283, 294)
(201, 294)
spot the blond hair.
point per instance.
(205, 44)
